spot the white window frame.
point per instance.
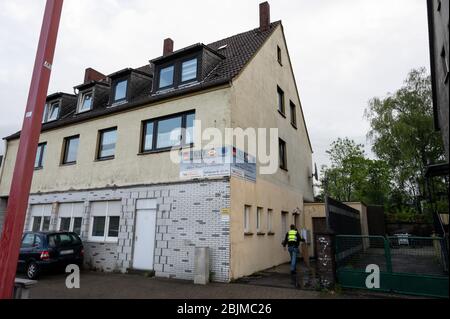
(42, 214)
(247, 218)
(81, 101)
(259, 211)
(105, 237)
(49, 110)
(72, 218)
(270, 220)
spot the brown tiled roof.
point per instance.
(239, 50)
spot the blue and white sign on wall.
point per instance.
(217, 162)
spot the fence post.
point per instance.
(326, 259)
(387, 253)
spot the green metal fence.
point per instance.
(407, 264)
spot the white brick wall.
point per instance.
(188, 215)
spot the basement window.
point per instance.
(105, 220)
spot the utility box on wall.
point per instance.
(201, 266)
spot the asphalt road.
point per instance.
(95, 285)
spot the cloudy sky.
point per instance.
(344, 52)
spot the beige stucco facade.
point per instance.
(127, 168)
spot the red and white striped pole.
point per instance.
(29, 138)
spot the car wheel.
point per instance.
(32, 270)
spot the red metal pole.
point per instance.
(29, 138)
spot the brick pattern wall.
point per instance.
(188, 216)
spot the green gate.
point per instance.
(407, 264)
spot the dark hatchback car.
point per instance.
(42, 252)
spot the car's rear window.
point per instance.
(62, 240)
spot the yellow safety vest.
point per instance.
(292, 235)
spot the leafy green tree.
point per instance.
(352, 176)
(404, 138)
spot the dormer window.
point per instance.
(178, 73)
(166, 77)
(120, 91)
(189, 70)
(51, 112)
(85, 103)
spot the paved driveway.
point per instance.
(95, 285)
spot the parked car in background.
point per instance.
(42, 252)
(403, 239)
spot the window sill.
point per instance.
(166, 149)
(284, 169)
(294, 125)
(282, 114)
(104, 159)
(39, 168)
(260, 234)
(68, 164)
(248, 234)
(270, 233)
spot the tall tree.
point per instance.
(403, 135)
(352, 176)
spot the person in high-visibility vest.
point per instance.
(292, 240)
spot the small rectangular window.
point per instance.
(77, 221)
(52, 112)
(46, 223)
(282, 154)
(148, 136)
(113, 226)
(39, 161)
(166, 77)
(85, 103)
(105, 221)
(280, 94)
(36, 223)
(64, 224)
(120, 91)
(247, 218)
(259, 211)
(293, 114)
(98, 226)
(70, 149)
(189, 132)
(107, 144)
(284, 222)
(279, 55)
(189, 70)
(270, 220)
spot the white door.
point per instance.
(144, 239)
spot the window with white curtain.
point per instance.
(41, 216)
(104, 222)
(70, 217)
